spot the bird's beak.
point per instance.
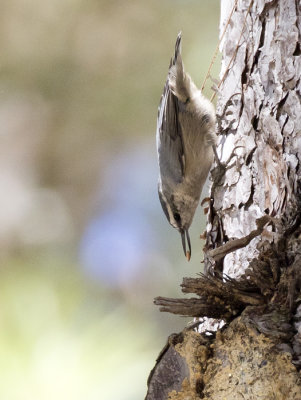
(188, 252)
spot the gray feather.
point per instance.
(185, 134)
(169, 132)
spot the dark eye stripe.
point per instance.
(177, 217)
(163, 205)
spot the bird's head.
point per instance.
(179, 209)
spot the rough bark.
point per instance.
(258, 109)
(252, 277)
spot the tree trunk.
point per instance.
(252, 260)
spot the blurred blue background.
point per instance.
(85, 246)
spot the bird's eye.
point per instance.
(177, 216)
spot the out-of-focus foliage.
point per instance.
(84, 243)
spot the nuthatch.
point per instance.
(185, 136)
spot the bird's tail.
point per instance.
(179, 82)
(177, 47)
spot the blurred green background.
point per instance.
(85, 246)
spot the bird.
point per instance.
(185, 138)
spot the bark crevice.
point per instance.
(252, 278)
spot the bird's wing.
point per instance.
(169, 133)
